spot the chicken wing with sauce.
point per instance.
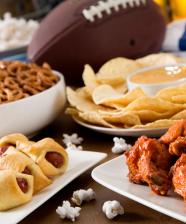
(179, 176)
(178, 146)
(175, 131)
(149, 162)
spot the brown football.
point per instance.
(91, 31)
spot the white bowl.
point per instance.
(152, 89)
(29, 115)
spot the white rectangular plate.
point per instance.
(79, 162)
(113, 175)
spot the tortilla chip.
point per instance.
(179, 115)
(179, 99)
(72, 111)
(150, 115)
(89, 78)
(94, 118)
(150, 103)
(126, 118)
(164, 123)
(168, 93)
(160, 59)
(103, 93)
(81, 101)
(117, 69)
(121, 88)
(108, 96)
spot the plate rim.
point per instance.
(133, 197)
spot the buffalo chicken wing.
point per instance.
(175, 131)
(179, 176)
(149, 163)
(178, 146)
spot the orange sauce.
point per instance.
(160, 75)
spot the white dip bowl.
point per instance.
(152, 88)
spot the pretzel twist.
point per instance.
(19, 80)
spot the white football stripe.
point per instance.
(108, 6)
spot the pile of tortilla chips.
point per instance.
(105, 100)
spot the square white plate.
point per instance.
(79, 162)
(113, 175)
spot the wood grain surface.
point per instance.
(91, 213)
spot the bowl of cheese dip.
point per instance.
(153, 79)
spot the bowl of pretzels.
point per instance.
(31, 96)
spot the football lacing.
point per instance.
(108, 6)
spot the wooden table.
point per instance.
(91, 213)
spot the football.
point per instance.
(90, 31)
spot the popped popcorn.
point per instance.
(120, 145)
(74, 139)
(83, 195)
(71, 146)
(112, 209)
(66, 211)
(16, 32)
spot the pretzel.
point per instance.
(19, 80)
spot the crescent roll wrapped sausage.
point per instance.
(18, 161)
(11, 140)
(48, 154)
(15, 189)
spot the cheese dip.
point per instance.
(160, 75)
